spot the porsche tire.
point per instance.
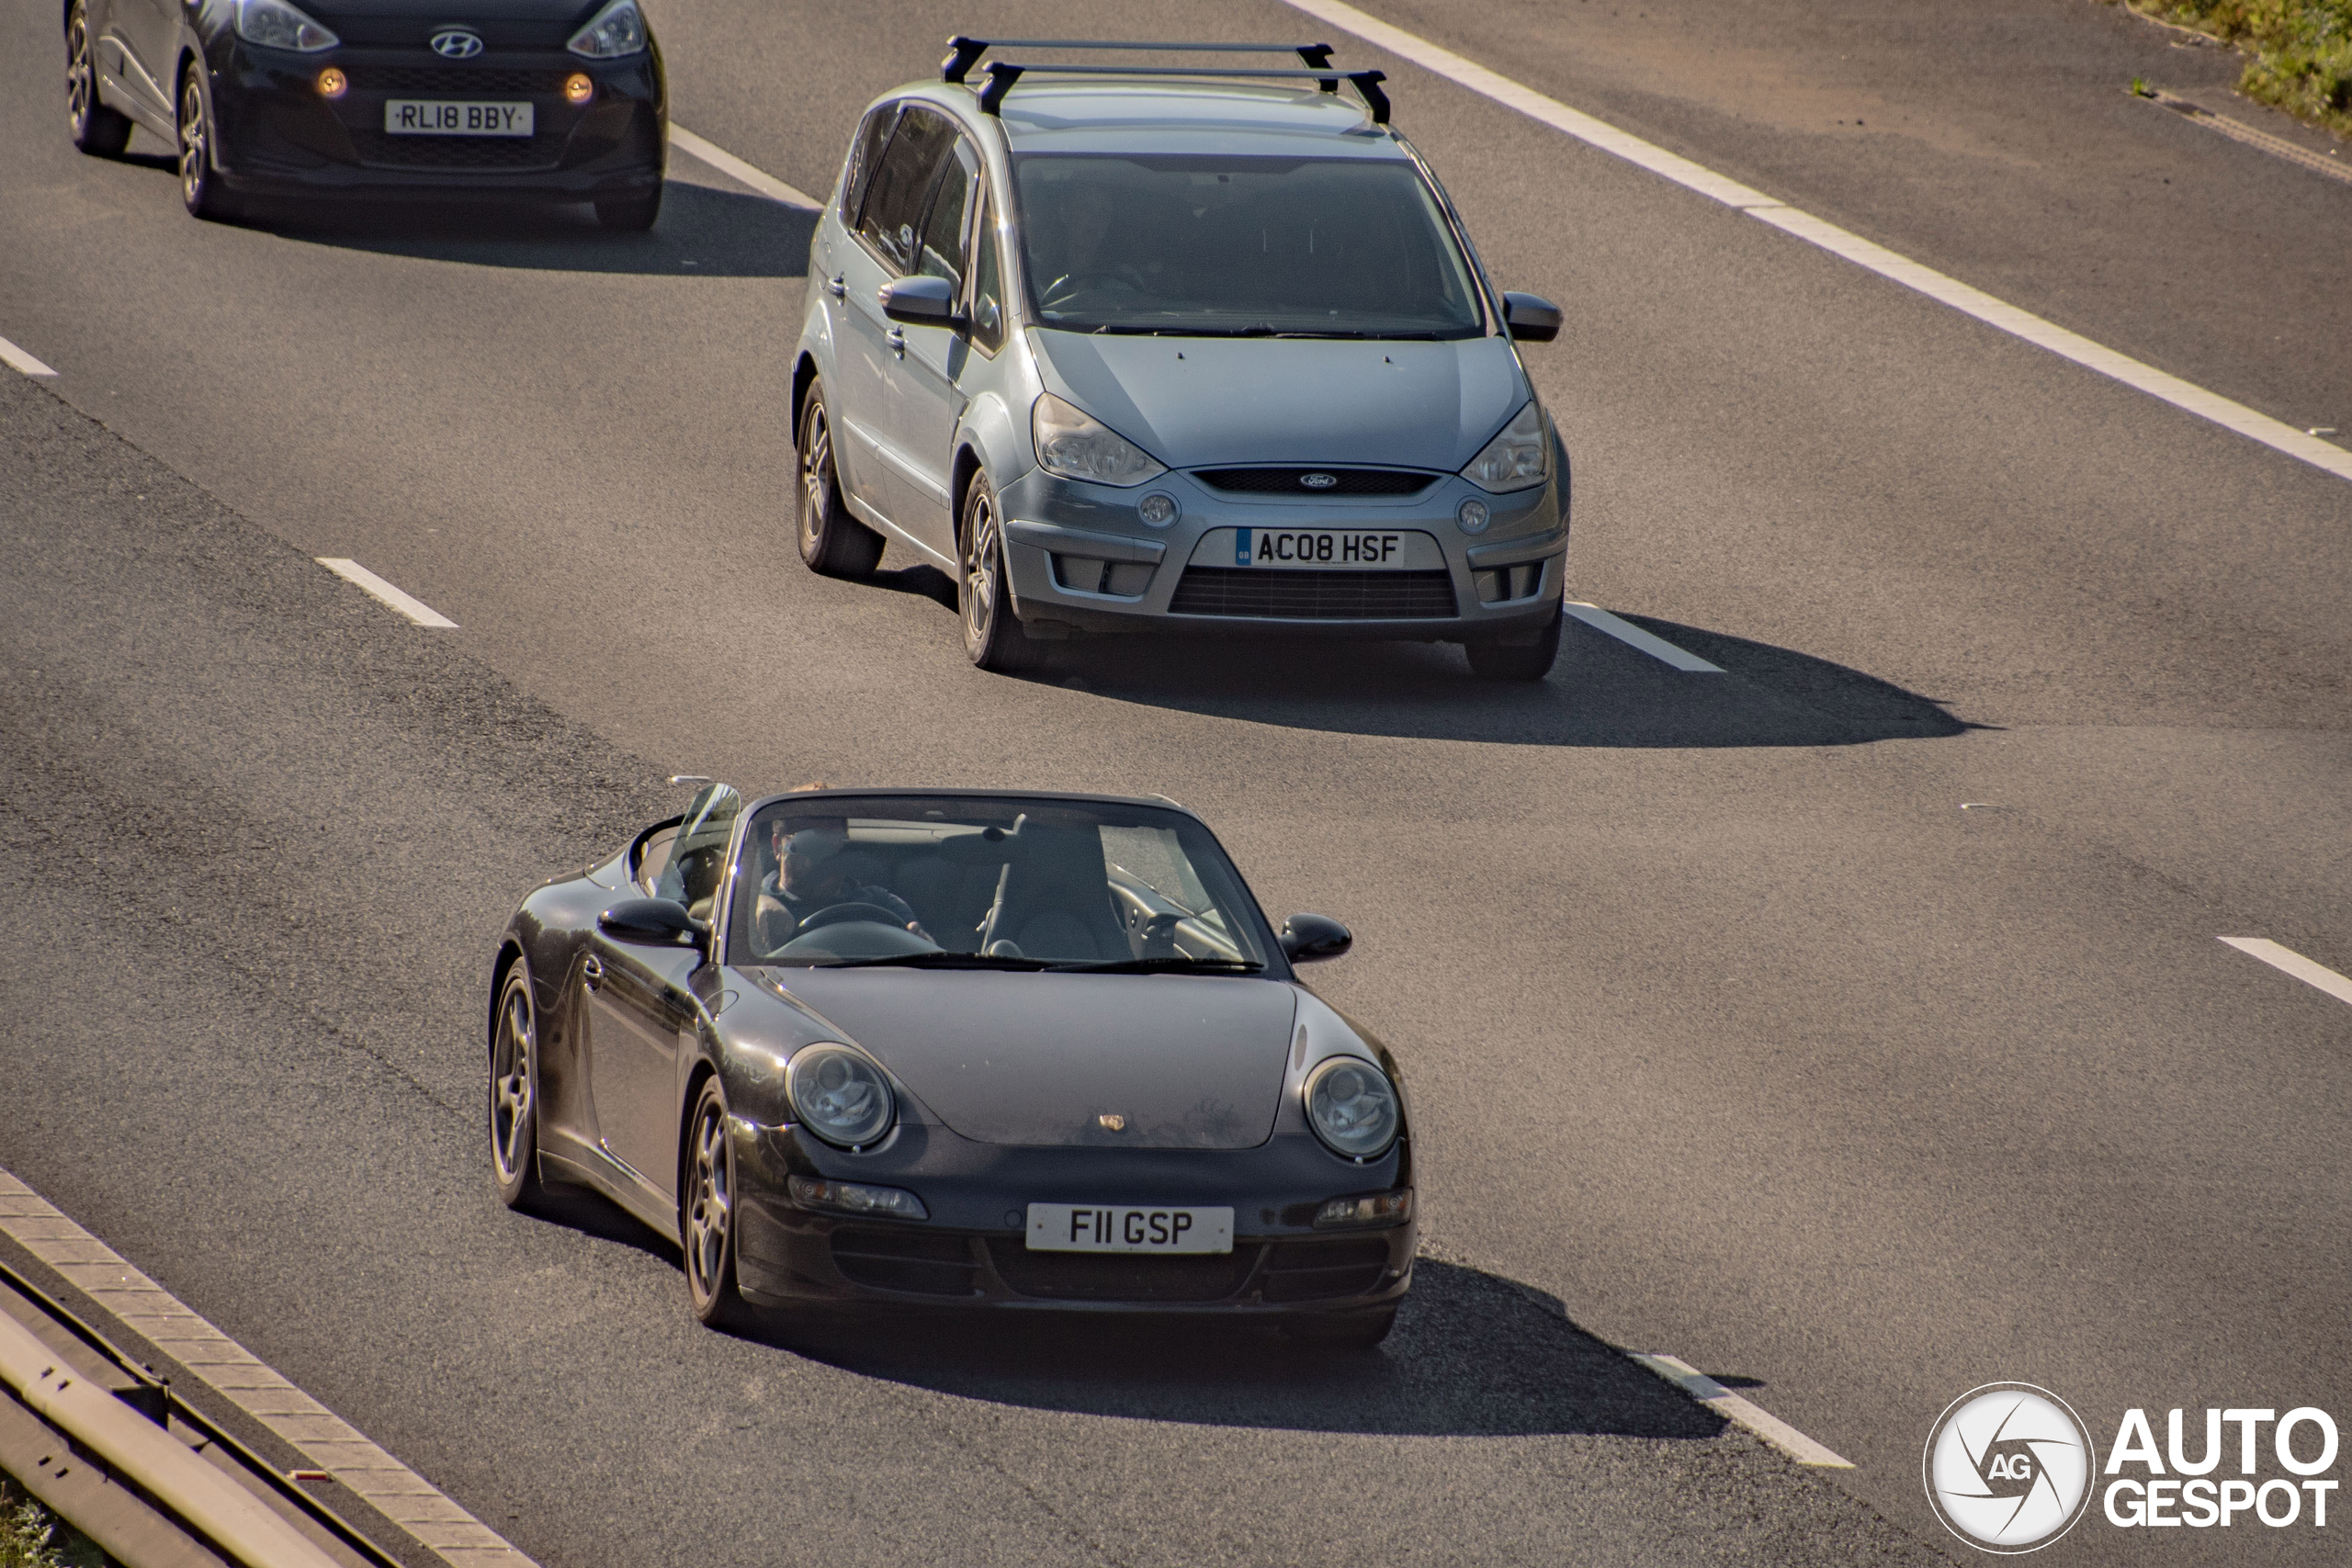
(97, 129)
(833, 543)
(706, 1213)
(514, 1094)
(993, 637)
(1346, 1331)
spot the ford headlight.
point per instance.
(1352, 1108)
(273, 23)
(1519, 458)
(1077, 445)
(617, 29)
(840, 1096)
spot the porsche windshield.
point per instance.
(1244, 248)
(972, 883)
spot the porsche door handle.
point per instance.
(592, 972)
(835, 287)
(898, 343)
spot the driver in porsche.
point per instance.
(810, 875)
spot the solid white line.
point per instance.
(1657, 648)
(416, 610)
(2191, 399)
(1741, 1413)
(727, 164)
(15, 358)
(2287, 961)
(148, 1309)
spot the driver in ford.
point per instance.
(811, 877)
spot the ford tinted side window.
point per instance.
(902, 181)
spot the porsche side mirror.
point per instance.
(652, 922)
(920, 302)
(1307, 938)
(1530, 318)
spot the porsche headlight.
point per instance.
(1519, 458)
(840, 1096)
(1352, 1108)
(1075, 446)
(273, 23)
(617, 29)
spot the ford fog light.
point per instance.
(1372, 1208)
(857, 1197)
(1473, 516)
(1157, 510)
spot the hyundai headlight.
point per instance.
(1519, 458)
(840, 1096)
(617, 29)
(273, 23)
(1352, 1108)
(1077, 445)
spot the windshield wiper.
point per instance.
(1163, 966)
(941, 960)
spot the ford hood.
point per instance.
(1196, 402)
(1186, 1062)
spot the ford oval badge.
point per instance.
(1318, 481)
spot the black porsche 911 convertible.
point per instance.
(975, 1049)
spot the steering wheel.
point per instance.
(833, 914)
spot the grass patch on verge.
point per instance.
(2300, 50)
(32, 1536)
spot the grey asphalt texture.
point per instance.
(1732, 1035)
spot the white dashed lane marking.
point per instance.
(1631, 636)
(15, 358)
(398, 1493)
(2274, 434)
(1742, 1413)
(2287, 961)
(415, 609)
(727, 164)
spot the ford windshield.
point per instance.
(1242, 247)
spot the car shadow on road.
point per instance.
(1601, 694)
(1472, 1355)
(703, 233)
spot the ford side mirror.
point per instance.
(652, 922)
(1530, 319)
(920, 302)
(1307, 938)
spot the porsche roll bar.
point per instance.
(963, 53)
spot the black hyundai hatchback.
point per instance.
(514, 100)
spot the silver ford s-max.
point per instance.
(1174, 349)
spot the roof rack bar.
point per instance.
(1003, 73)
(963, 53)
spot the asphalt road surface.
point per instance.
(1733, 1036)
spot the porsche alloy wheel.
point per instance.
(706, 1213)
(993, 637)
(832, 541)
(96, 128)
(514, 1093)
